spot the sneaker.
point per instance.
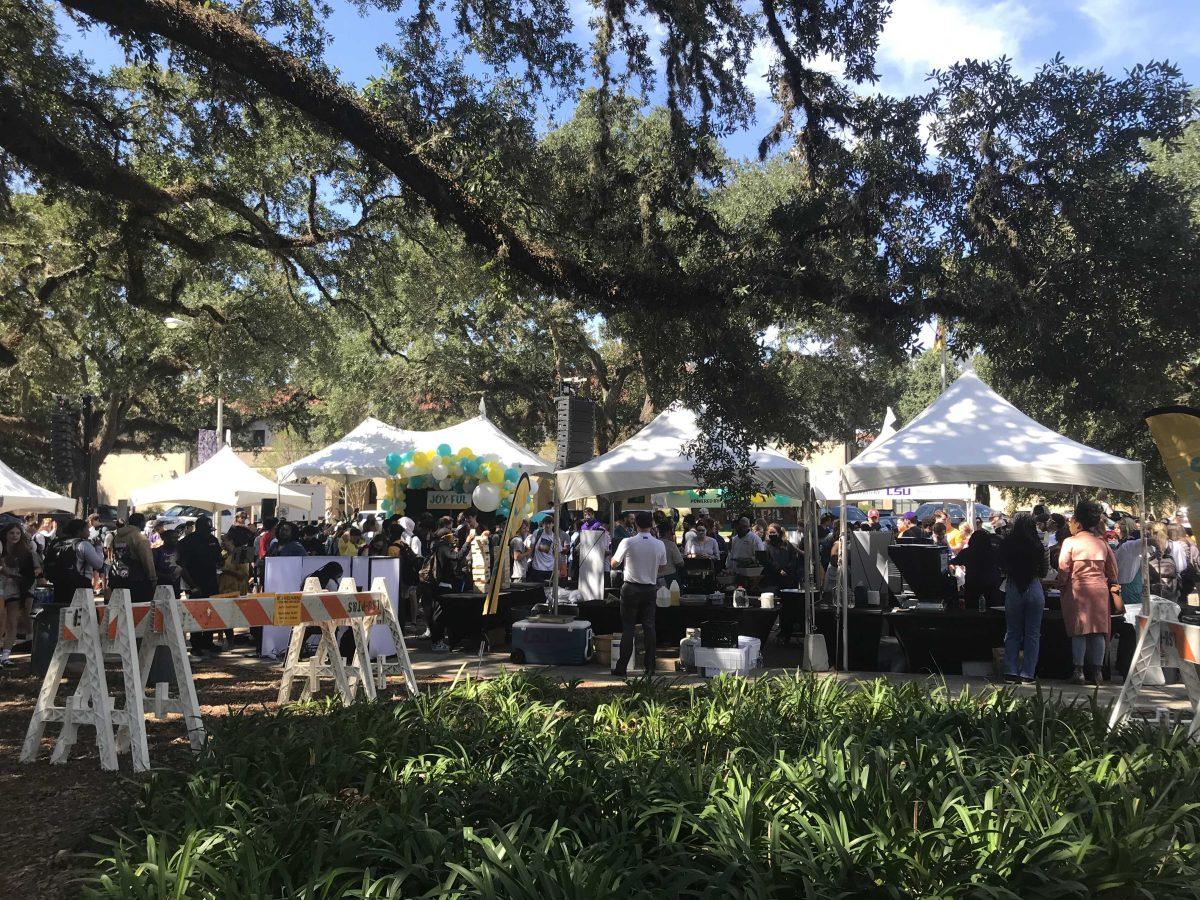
(1028, 679)
(1012, 679)
(423, 636)
(440, 647)
(1076, 676)
(6, 663)
(1093, 676)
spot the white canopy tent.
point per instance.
(827, 484)
(654, 461)
(363, 452)
(221, 482)
(483, 437)
(18, 494)
(972, 434)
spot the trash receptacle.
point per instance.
(46, 621)
(161, 668)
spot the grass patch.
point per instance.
(517, 787)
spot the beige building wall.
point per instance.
(123, 473)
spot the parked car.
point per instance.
(854, 515)
(175, 517)
(956, 511)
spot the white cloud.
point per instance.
(762, 57)
(922, 35)
(1134, 30)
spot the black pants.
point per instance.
(637, 608)
(435, 619)
(139, 591)
(537, 575)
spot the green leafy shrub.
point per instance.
(521, 788)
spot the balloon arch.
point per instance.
(486, 478)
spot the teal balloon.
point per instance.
(386, 505)
(414, 483)
(394, 462)
(444, 450)
(512, 473)
(470, 466)
(406, 456)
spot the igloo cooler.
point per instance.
(552, 643)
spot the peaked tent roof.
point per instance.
(363, 452)
(222, 480)
(653, 460)
(18, 494)
(483, 437)
(972, 434)
(827, 484)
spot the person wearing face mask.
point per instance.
(744, 546)
(702, 545)
(784, 570)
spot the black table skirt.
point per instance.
(463, 612)
(671, 622)
(940, 641)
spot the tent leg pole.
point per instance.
(844, 584)
(1143, 527)
(557, 551)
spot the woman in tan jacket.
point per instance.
(1087, 570)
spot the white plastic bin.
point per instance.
(739, 660)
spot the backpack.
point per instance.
(1193, 561)
(61, 564)
(428, 573)
(125, 564)
(1164, 576)
(410, 564)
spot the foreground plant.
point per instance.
(521, 788)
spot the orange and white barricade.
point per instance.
(328, 611)
(93, 630)
(1162, 641)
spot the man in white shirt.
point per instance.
(744, 545)
(541, 564)
(643, 558)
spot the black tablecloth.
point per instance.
(463, 612)
(940, 641)
(671, 622)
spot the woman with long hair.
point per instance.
(20, 567)
(1087, 568)
(1023, 560)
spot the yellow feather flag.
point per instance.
(491, 596)
(1176, 430)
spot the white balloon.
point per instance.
(439, 471)
(486, 497)
(445, 483)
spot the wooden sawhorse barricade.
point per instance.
(93, 630)
(1163, 641)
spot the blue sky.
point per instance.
(921, 35)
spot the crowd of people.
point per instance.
(1094, 557)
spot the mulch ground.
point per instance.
(54, 815)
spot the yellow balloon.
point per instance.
(496, 475)
(466, 453)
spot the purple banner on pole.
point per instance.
(206, 445)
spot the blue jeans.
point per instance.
(1023, 614)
